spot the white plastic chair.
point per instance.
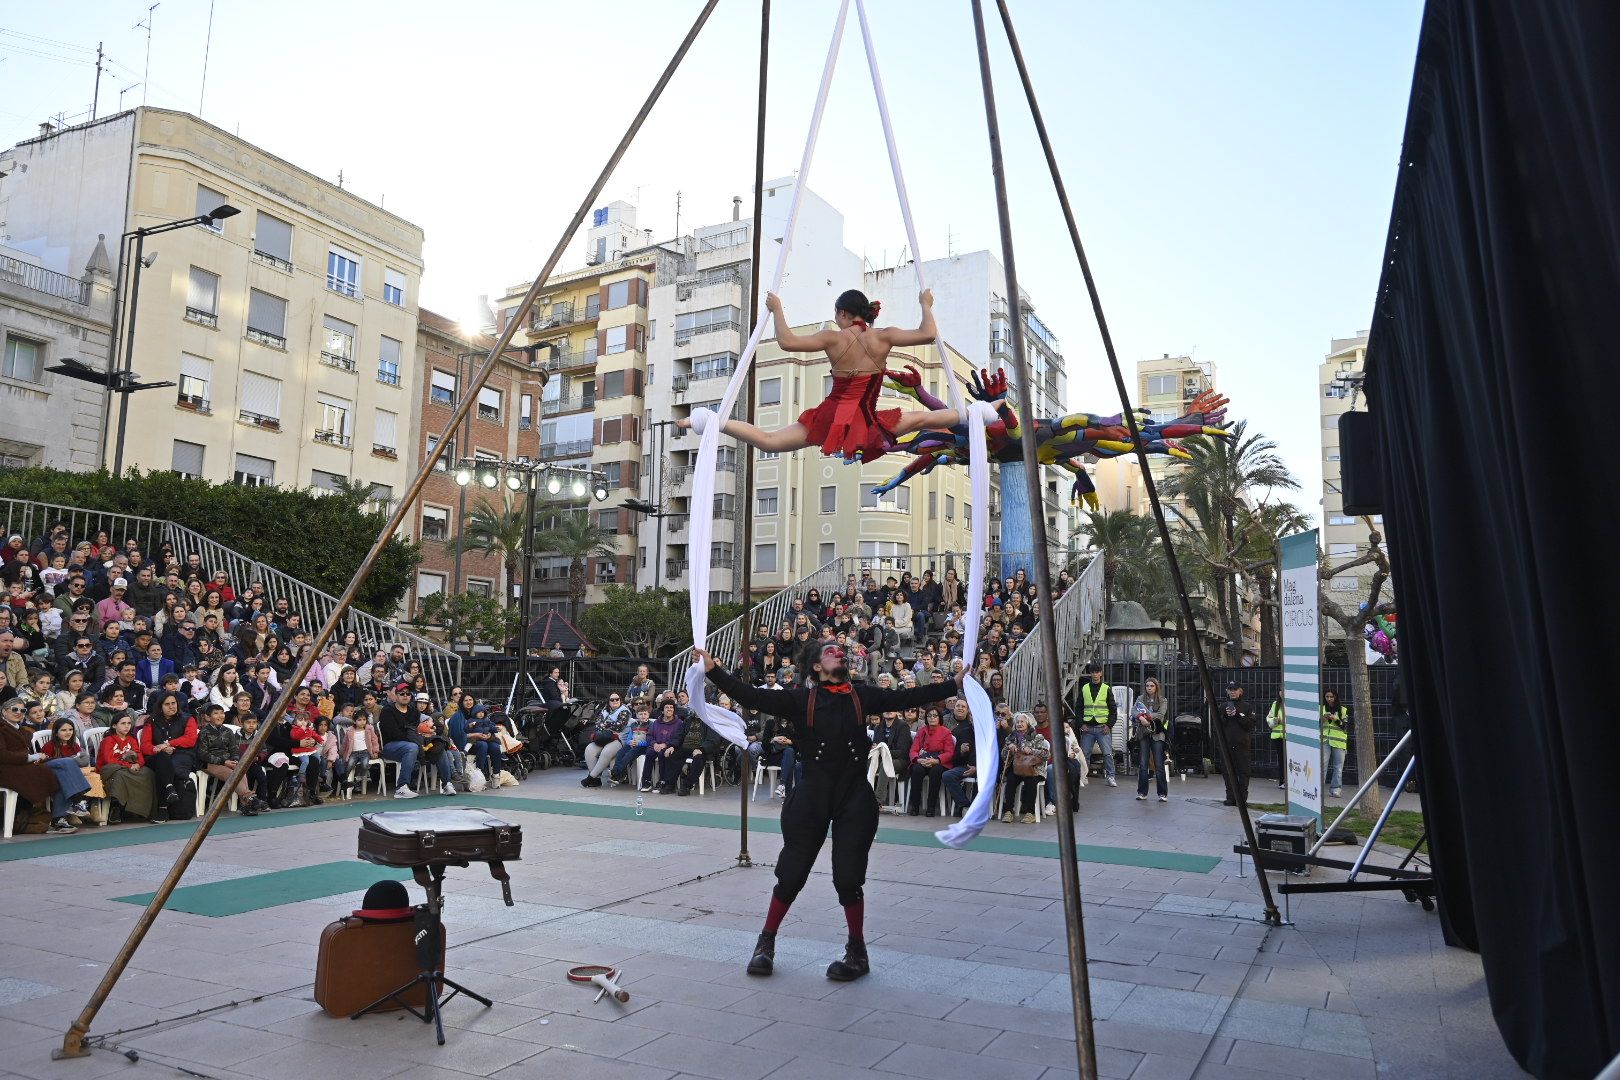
(8, 806)
(382, 765)
(760, 769)
(41, 737)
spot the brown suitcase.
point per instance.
(361, 960)
(454, 835)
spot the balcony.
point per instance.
(676, 523)
(196, 403)
(202, 318)
(554, 450)
(388, 377)
(722, 562)
(44, 281)
(273, 260)
(683, 337)
(338, 360)
(333, 438)
(576, 358)
(567, 405)
(714, 371)
(675, 568)
(558, 316)
(269, 423)
(379, 450)
(342, 286)
(266, 338)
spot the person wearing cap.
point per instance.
(828, 721)
(401, 742)
(114, 608)
(1234, 721)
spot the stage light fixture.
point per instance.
(489, 478)
(601, 491)
(464, 475)
(514, 481)
(579, 487)
(553, 482)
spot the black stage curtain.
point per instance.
(1493, 339)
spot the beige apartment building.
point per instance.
(1343, 537)
(1166, 387)
(288, 328)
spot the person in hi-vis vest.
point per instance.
(1277, 721)
(1335, 739)
(1097, 715)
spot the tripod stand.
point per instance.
(429, 938)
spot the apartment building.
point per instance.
(1165, 386)
(286, 327)
(502, 425)
(1343, 536)
(48, 319)
(975, 319)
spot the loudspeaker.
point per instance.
(1360, 478)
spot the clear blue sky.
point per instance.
(1231, 164)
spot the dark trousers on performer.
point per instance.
(843, 803)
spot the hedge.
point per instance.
(318, 539)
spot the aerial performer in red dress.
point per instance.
(848, 424)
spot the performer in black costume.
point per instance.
(828, 721)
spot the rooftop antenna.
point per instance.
(96, 100)
(950, 242)
(124, 91)
(677, 211)
(208, 42)
(147, 24)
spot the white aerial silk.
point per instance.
(707, 424)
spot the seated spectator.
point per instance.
(891, 742)
(130, 785)
(641, 686)
(111, 705)
(67, 693)
(932, 751)
(217, 753)
(65, 754)
(358, 746)
(135, 691)
(26, 772)
(168, 739)
(401, 741)
(1024, 760)
(634, 741)
(603, 744)
(663, 742)
(965, 760)
(12, 663)
(483, 741)
(904, 618)
(699, 745)
(259, 771)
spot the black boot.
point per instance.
(764, 960)
(852, 966)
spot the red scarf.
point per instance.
(834, 688)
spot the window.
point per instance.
(593, 305)
(770, 392)
(1158, 385)
(713, 366)
(725, 505)
(443, 391)
(385, 433)
(202, 297)
(616, 339)
(826, 553)
(337, 348)
(254, 471)
(1341, 549)
(613, 474)
(607, 570)
(393, 288)
(196, 373)
(884, 554)
(444, 463)
(967, 514)
(343, 272)
(652, 370)
(1340, 519)
(706, 321)
(933, 505)
(607, 520)
(899, 499)
(321, 480)
(187, 459)
(765, 502)
(261, 400)
(435, 524)
(614, 384)
(765, 558)
(333, 419)
(950, 508)
(209, 200)
(24, 359)
(480, 587)
(428, 584)
(829, 500)
(388, 362)
(723, 555)
(272, 241)
(618, 294)
(267, 319)
(489, 405)
(525, 412)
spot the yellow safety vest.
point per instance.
(1277, 721)
(1333, 730)
(1095, 705)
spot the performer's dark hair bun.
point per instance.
(855, 303)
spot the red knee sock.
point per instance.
(775, 914)
(855, 916)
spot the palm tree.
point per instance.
(574, 537)
(1124, 539)
(1263, 529)
(489, 530)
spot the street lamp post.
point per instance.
(123, 383)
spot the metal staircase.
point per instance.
(30, 520)
(1079, 617)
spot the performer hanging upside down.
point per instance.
(829, 734)
(848, 424)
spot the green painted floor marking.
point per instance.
(131, 836)
(237, 896)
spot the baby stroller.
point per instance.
(1187, 744)
(543, 731)
(523, 762)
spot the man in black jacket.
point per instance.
(401, 741)
(828, 719)
(1235, 720)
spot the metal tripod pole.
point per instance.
(73, 1038)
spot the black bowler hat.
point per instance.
(386, 901)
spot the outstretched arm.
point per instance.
(926, 332)
(784, 703)
(785, 337)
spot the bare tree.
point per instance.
(1354, 624)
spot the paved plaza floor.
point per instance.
(970, 973)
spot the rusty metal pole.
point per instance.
(73, 1039)
(1085, 1043)
(1272, 915)
(747, 553)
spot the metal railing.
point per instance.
(337, 360)
(1078, 618)
(684, 336)
(44, 281)
(574, 448)
(31, 519)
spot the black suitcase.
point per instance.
(454, 835)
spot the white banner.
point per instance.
(1301, 674)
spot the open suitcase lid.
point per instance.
(443, 821)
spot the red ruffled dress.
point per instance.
(848, 424)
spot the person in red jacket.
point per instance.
(124, 775)
(932, 752)
(167, 741)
